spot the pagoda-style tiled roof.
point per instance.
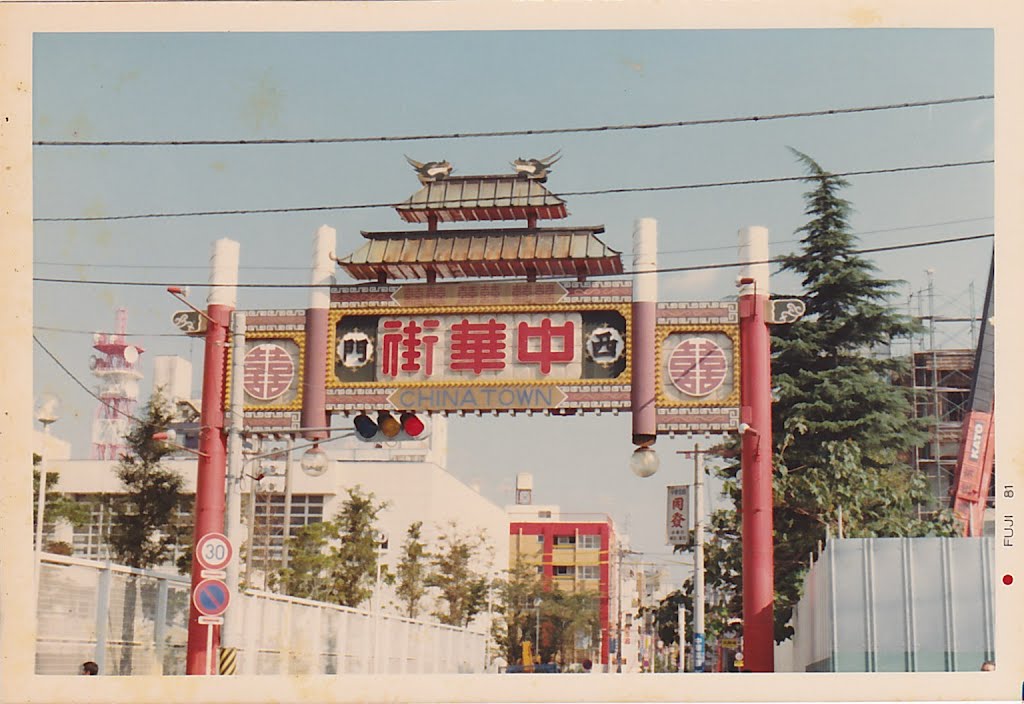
(470, 198)
(530, 252)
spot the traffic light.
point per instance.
(387, 428)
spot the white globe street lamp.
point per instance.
(314, 462)
(644, 462)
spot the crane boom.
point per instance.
(975, 461)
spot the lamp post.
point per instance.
(47, 416)
(536, 604)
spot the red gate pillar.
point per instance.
(756, 454)
(212, 461)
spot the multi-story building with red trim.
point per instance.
(571, 552)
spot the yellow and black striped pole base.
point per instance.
(228, 661)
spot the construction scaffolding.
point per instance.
(941, 383)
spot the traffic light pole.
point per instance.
(756, 453)
(211, 471)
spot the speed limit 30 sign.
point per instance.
(213, 551)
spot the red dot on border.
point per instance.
(1007, 579)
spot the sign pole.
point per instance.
(211, 470)
(209, 649)
(756, 453)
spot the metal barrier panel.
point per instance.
(897, 605)
(135, 622)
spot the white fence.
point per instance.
(135, 622)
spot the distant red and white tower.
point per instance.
(119, 375)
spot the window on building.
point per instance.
(565, 570)
(268, 538)
(540, 569)
(540, 538)
(91, 540)
(543, 514)
(565, 540)
(590, 542)
(589, 572)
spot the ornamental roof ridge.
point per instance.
(481, 232)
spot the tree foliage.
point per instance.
(59, 507)
(842, 430)
(412, 570)
(565, 616)
(336, 561)
(144, 530)
(462, 589)
(516, 594)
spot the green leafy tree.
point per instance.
(566, 616)
(59, 507)
(842, 430)
(515, 596)
(336, 560)
(412, 570)
(143, 530)
(460, 587)
(143, 527)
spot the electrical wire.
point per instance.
(594, 192)
(180, 267)
(666, 270)
(95, 332)
(508, 133)
(77, 381)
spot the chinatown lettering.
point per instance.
(478, 398)
(419, 348)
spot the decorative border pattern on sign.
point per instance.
(337, 314)
(698, 313)
(271, 421)
(697, 420)
(663, 331)
(362, 296)
(275, 321)
(300, 341)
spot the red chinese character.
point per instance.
(406, 342)
(677, 520)
(477, 347)
(547, 354)
(677, 503)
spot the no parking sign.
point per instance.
(211, 597)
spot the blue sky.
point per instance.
(251, 86)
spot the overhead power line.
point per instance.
(77, 381)
(667, 270)
(604, 191)
(505, 133)
(689, 250)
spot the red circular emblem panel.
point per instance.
(268, 372)
(697, 366)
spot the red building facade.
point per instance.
(573, 556)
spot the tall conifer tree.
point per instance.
(843, 430)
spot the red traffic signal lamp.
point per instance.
(387, 428)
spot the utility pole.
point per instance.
(698, 561)
(286, 533)
(232, 635)
(618, 641)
